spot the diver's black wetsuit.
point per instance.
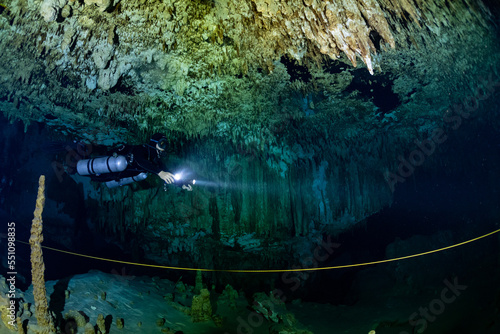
(140, 158)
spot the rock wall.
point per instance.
(240, 205)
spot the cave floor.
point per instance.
(143, 302)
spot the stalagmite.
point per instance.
(45, 324)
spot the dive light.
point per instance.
(179, 179)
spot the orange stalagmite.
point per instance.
(45, 324)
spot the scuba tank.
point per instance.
(126, 180)
(101, 165)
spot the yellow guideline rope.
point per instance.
(273, 270)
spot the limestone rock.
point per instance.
(101, 4)
(49, 9)
(101, 324)
(79, 318)
(198, 282)
(102, 55)
(67, 38)
(201, 309)
(66, 11)
(5, 312)
(89, 329)
(119, 323)
(272, 308)
(229, 296)
(108, 78)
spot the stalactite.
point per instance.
(214, 212)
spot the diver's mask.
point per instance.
(160, 144)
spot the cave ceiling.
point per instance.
(234, 68)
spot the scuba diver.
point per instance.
(131, 163)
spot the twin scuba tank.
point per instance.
(104, 165)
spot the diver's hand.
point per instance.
(166, 176)
(187, 187)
